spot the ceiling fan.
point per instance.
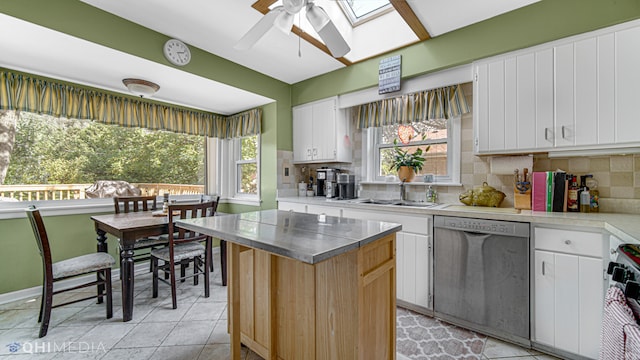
(282, 18)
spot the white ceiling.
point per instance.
(215, 26)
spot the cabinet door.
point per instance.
(586, 92)
(567, 322)
(481, 109)
(526, 101)
(302, 125)
(544, 98)
(564, 96)
(627, 77)
(495, 89)
(413, 268)
(606, 88)
(324, 130)
(544, 319)
(591, 295)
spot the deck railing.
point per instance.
(77, 191)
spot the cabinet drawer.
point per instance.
(569, 241)
(411, 224)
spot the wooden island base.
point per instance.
(341, 308)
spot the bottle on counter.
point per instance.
(572, 195)
(432, 194)
(594, 195)
(583, 195)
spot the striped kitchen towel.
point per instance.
(616, 315)
(631, 342)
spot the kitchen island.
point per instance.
(303, 286)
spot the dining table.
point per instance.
(128, 227)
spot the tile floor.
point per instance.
(195, 330)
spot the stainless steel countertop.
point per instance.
(306, 237)
(624, 226)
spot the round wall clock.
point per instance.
(177, 52)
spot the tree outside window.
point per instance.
(433, 132)
(54, 151)
(247, 166)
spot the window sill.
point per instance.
(413, 183)
(241, 201)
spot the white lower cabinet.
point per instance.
(292, 206)
(568, 290)
(414, 276)
(413, 267)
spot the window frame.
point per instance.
(355, 20)
(371, 164)
(224, 155)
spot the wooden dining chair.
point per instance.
(184, 247)
(126, 204)
(99, 263)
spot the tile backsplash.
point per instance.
(618, 176)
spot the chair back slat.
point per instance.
(188, 211)
(134, 203)
(42, 240)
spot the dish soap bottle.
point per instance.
(585, 198)
(432, 194)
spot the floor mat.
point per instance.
(420, 337)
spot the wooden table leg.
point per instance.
(127, 270)
(233, 289)
(101, 247)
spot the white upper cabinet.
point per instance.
(572, 94)
(320, 133)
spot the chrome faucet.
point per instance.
(403, 192)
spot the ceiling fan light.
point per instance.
(317, 17)
(142, 88)
(284, 22)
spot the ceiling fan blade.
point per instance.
(327, 30)
(333, 39)
(259, 29)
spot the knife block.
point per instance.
(521, 201)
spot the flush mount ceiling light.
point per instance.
(142, 88)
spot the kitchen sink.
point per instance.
(396, 202)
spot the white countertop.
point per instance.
(624, 226)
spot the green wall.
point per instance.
(74, 235)
(20, 261)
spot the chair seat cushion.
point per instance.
(82, 265)
(180, 251)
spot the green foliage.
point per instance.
(249, 171)
(403, 157)
(62, 151)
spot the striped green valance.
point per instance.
(442, 103)
(25, 93)
(243, 124)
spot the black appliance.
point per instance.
(625, 273)
(346, 187)
(326, 182)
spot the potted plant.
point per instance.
(407, 164)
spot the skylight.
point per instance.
(359, 11)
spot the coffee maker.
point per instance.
(346, 187)
(326, 182)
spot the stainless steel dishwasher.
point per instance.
(481, 276)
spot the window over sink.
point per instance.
(442, 159)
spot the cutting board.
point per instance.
(483, 209)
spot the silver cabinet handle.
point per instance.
(543, 266)
(567, 242)
(613, 251)
(315, 152)
(562, 129)
(308, 153)
(546, 134)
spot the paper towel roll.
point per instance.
(505, 165)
